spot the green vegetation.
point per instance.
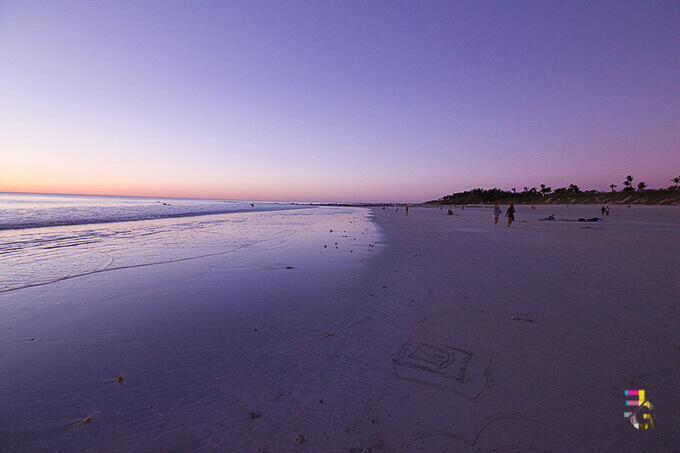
(572, 194)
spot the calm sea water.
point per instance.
(19, 211)
(46, 238)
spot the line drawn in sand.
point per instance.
(437, 363)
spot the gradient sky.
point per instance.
(336, 101)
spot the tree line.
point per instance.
(489, 195)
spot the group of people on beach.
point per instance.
(509, 213)
(497, 211)
(396, 207)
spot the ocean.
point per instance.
(23, 211)
(47, 238)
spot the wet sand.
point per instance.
(452, 335)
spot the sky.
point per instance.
(336, 101)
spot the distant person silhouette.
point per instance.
(510, 214)
(603, 210)
(496, 214)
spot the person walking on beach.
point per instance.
(510, 214)
(496, 214)
(406, 208)
(603, 210)
(606, 211)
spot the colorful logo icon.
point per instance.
(641, 417)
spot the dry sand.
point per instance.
(452, 336)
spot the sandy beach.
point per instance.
(427, 333)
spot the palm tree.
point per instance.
(613, 186)
(628, 183)
(676, 180)
(642, 185)
(573, 188)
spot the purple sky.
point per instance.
(336, 101)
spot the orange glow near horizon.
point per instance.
(267, 187)
(96, 177)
